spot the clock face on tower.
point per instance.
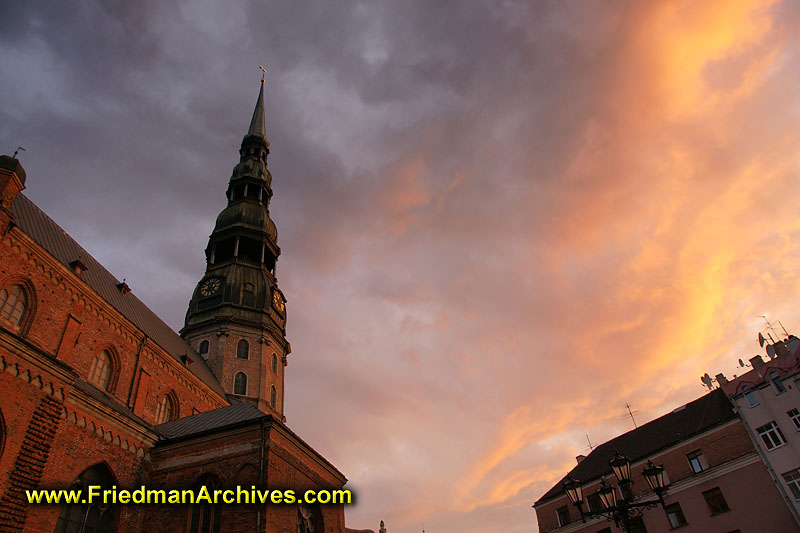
(210, 287)
(277, 301)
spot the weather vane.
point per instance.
(263, 72)
(17, 151)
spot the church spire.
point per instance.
(237, 315)
(257, 122)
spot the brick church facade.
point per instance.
(96, 390)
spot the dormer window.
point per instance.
(750, 396)
(777, 384)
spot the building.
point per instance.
(97, 390)
(767, 399)
(715, 478)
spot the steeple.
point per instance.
(257, 122)
(237, 316)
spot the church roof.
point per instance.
(49, 235)
(681, 424)
(218, 418)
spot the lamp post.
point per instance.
(619, 509)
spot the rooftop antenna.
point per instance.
(591, 444)
(17, 151)
(630, 414)
(786, 333)
(423, 527)
(770, 327)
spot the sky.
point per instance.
(500, 221)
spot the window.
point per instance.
(274, 364)
(240, 383)
(675, 515)
(772, 435)
(750, 396)
(205, 517)
(792, 478)
(697, 461)
(273, 397)
(777, 384)
(637, 525)
(794, 414)
(308, 519)
(716, 501)
(100, 373)
(594, 503)
(243, 349)
(166, 410)
(563, 516)
(203, 350)
(12, 304)
(96, 517)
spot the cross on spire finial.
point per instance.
(263, 72)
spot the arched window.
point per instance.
(240, 383)
(203, 350)
(95, 517)
(243, 349)
(274, 363)
(13, 303)
(167, 409)
(100, 373)
(205, 517)
(309, 519)
(273, 397)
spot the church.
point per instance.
(98, 390)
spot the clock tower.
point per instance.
(237, 316)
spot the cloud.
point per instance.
(499, 222)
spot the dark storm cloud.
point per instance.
(480, 205)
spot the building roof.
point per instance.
(49, 235)
(681, 424)
(212, 420)
(760, 374)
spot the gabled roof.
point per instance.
(49, 235)
(694, 418)
(222, 417)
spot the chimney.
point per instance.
(780, 349)
(721, 379)
(580, 458)
(756, 361)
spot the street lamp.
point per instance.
(620, 510)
